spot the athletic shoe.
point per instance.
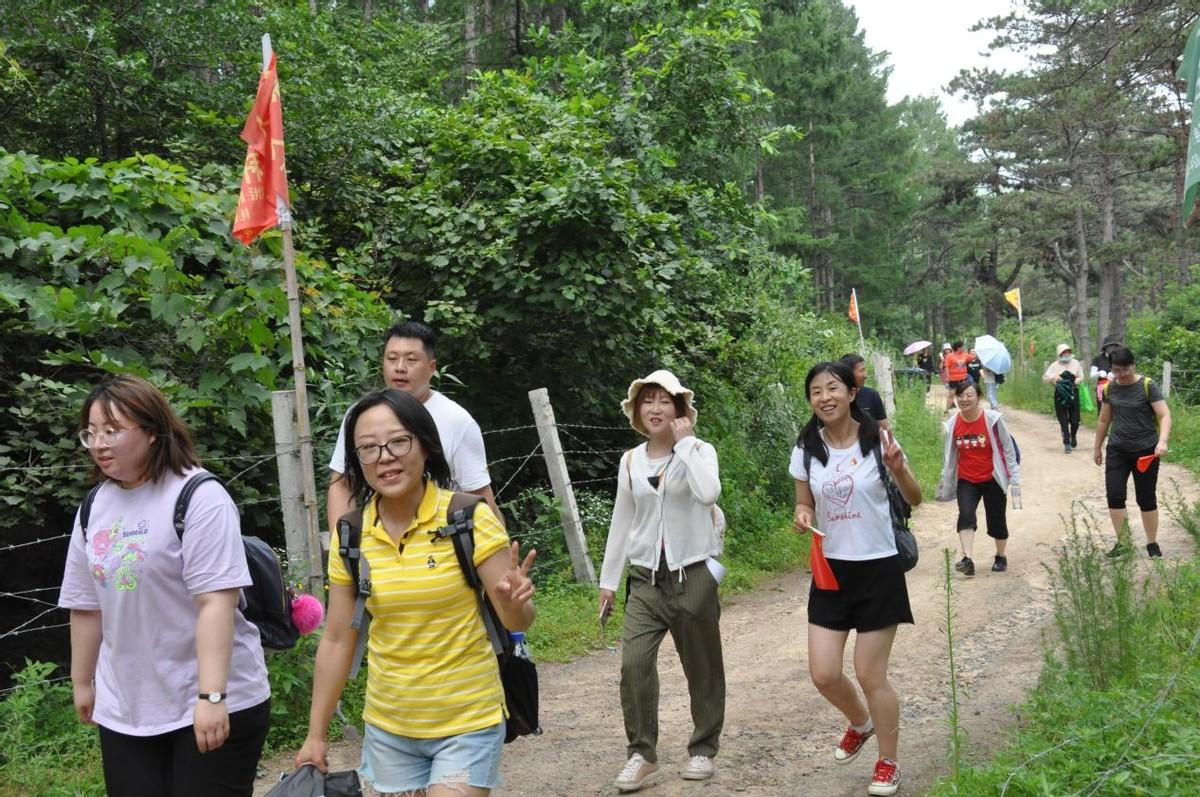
(961, 564)
(1119, 550)
(1066, 449)
(887, 778)
(1153, 551)
(852, 744)
(638, 772)
(1000, 565)
(700, 767)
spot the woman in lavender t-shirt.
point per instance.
(161, 658)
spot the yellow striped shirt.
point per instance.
(431, 671)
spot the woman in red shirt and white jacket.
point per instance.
(980, 461)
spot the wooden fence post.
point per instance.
(560, 481)
(291, 491)
(1166, 380)
(885, 379)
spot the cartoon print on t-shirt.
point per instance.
(970, 440)
(839, 490)
(117, 555)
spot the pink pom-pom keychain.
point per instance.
(307, 613)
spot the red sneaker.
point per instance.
(851, 745)
(887, 778)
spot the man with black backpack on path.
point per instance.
(1066, 374)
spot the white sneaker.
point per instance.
(700, 767)
(638, 772)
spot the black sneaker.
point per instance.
(1119, 550)
(1153, 551)
(1000, 565)
(961, 564)
(966, 567)
(1066, 449)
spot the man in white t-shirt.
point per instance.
(409, 365)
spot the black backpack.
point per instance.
(518, 674)
(268, 599)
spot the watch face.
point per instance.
(215, 697)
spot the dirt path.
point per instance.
(779, 733)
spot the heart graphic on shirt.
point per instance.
(839, 490)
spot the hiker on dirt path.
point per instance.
(979, 461)
(1101, 370)
(840, 495)
(867, 398)
(161, 658)
(1066, 374)
(956, 371)
(989, 380)
(409, 363)
(663, 526)
(942, 367)
(1137, 421)
(925, 363)
(434, 713)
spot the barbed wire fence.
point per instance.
(522, 491)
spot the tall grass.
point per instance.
(953, 717)
(1114, 714)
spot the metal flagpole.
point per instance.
(304, 433)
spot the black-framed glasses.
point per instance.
(398, 446)
(106, 436)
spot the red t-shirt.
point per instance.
(956, 366)
(974, 450)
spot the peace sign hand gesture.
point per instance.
(514, 586)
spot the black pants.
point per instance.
(1068, 422)
(170, 764)
(995, 505)
(1117, 467)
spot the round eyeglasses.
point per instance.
(399, 446)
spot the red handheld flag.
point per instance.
(853, 307)
(264, 176)
(823, 575)
(1143, 463)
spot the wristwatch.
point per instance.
(213, 697)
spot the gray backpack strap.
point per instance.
(349, 548)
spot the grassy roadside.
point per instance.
(1113, 712)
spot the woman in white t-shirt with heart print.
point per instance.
(840, 495)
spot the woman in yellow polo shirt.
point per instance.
(434, 711)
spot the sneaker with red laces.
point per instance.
(887, 778)
(851, 744)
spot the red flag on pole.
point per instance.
(264, 176)
(853, 307)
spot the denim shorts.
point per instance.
(402, 764)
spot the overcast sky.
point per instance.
(929, 41)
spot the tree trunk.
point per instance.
(312, 7)
(1083, 268)
(471, 56)
(488, 13)
(368, 12)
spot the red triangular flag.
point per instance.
(264, 176)
(1143, 463)
(853, 307)
(823, 575)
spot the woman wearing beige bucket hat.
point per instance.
(663, 526)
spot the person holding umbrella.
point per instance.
(995, 361)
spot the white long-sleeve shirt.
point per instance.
(676, 519)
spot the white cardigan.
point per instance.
(676, 518)
(1004, 458)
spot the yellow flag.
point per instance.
(1014, 298)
